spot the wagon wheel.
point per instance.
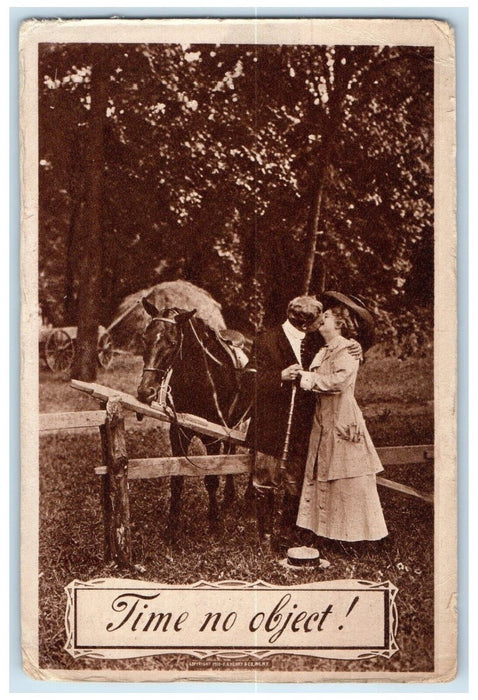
(105, 350)
(59, 351)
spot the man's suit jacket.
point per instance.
(272, 353)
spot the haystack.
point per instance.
(178, 293)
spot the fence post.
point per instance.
(104, 494)
(114, 492)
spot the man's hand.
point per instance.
(356, 351)
(290, 374)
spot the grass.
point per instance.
(389, 380)
(383, 381)
(71, 531)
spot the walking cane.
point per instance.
(285, 451)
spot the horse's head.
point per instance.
(162, 343)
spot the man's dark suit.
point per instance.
(272, 353)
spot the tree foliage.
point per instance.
(253, 171)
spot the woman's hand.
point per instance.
(352, 432)
(290, 374)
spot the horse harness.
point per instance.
(164, 393)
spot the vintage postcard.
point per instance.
(238, 350)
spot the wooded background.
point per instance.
(256, 172)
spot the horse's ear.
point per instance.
(184, 317)
(150, 308)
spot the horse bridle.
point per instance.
(166, 373)
(176, 351)
(200, 343)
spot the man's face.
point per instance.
(314, 325)
(304, 321)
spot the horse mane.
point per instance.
(166, 309)
(199, 323)
(205, 332)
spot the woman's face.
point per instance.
(329, 325)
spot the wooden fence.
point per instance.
(117, 469)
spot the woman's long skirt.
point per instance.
(344, 509)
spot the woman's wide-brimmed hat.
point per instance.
(364, 317)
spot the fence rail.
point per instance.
(117, 468)
(69, 421)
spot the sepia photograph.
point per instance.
(238, 252)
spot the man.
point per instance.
(279, 354)
(282, 418)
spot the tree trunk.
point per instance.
(73, 241)
(313, 228)
(336, 94)
(322, 280)
(73, 235)
(89, 292)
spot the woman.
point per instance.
(339, 497)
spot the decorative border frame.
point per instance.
(253, 653)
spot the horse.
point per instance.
(203, 380)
